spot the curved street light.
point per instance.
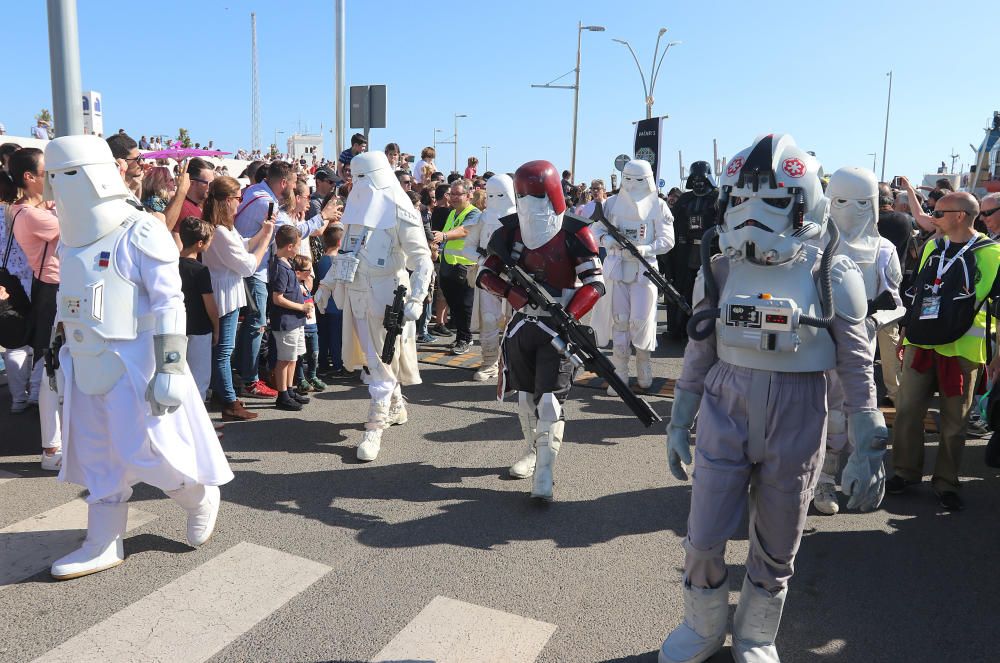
(654, 70)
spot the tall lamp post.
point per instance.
(575, 87)
(654, 70)
(874, 156)
(457, 115)
(885, 138)
(441, 142)
(486, 158)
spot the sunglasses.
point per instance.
(138, 158)
(199, 180)
(939, 213)
(991, 212)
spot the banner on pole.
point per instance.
(647, 143)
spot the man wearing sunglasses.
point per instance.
(988, 207)
(200, 173)
(126, 153)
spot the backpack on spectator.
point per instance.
(956, 309)
(14, 326)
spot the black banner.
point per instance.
(647, 143)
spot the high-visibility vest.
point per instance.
(453, 247)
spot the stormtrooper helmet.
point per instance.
(540, 203)
(89, 192)
(699, 179)
(500, 195)
(772, 201)
(853, 195)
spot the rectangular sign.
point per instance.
(647, 143)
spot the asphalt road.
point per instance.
(594, 576)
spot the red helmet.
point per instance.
(540, 178)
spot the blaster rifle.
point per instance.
(393, 322)
(650, 272)
(574, 340)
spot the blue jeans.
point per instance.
(425, 319)
(332, 332)
(305, 366)
(250, 332)
(222, 371)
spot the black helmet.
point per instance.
(700, 178)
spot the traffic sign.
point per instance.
(621, 160)
(662, 183)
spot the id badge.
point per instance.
(930, 307)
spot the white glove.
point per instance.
(166, 390)
(322, 297)
(412, 310)
(682, 415)
(645, 250)
(609, 243)
(863, 478)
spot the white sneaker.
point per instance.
(825, 499)
(52, 462)
(370, 445)
(486, 373)
(525, 466)
(202, 506)
(397, 414)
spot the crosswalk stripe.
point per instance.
(451, 631)
(33, 544)
(6, 476)
(194, 617)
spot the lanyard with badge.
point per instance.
(930, 307)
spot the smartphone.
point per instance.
(896, 183)
(270, 209)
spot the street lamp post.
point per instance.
(885, 138)
(654, 70)
(486, 158)
(575, 87)
(441, 142)
(457, 115)
(276, 132)
(874, 155)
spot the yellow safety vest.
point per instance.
(453, 247)
(971, 346)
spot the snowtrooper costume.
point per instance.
(773, 315)
(627, 315)
(489, 314)
(383, 238)
(560, 253)
(131, 411)
(853, 195)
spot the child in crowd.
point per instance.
(202, 314)
(305, 367)
(331, 321)
(288, 317)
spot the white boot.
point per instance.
(491, 361)
(619, 357)
(547, 442)
(102, 549)
(755, 625)
(525, 466)
(397, 409)
(202, 505)
(644, 368)
(825, 495)
(703, 630)
(371, 443)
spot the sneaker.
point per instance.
(440, 330)
(316, 384)
(978, 428)
(52, 462)
(950, 501)
(285, 402)
(259, 390)
(825, 499)
(298, 398)
(426, 338)
(235, 411)
(338, 374)
(304, 387)
(460, 347)
(897, 485)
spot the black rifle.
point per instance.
(650, 272)
(575, 341)
(393, 322)
(50, 355)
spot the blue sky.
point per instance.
(815, 70)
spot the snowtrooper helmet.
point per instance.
(90, 195)
(772, 201)
(376, 199)
(853, 195)
(637, 179)
(700, 178)
(540, 202)
(500, 195)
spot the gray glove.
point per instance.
(679, 432)
(166, 390)
(864, 476)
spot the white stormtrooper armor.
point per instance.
(490, 311)
(131, 410)
(773, 316)
(626, 315)
(384, 238)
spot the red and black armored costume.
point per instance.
(561, 254)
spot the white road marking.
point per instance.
(450, 631)
(31, 545)
(194, 617)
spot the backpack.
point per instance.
(14, 310)
(957, 291)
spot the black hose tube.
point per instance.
(711, 291)
(825, 285)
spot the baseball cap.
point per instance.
(324, 174)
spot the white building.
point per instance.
(305, 146)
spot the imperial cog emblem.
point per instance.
(646, 154)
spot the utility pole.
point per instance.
(64, 55)
(457, 115)
(254, 87)
(885, 139)
(340, 92)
